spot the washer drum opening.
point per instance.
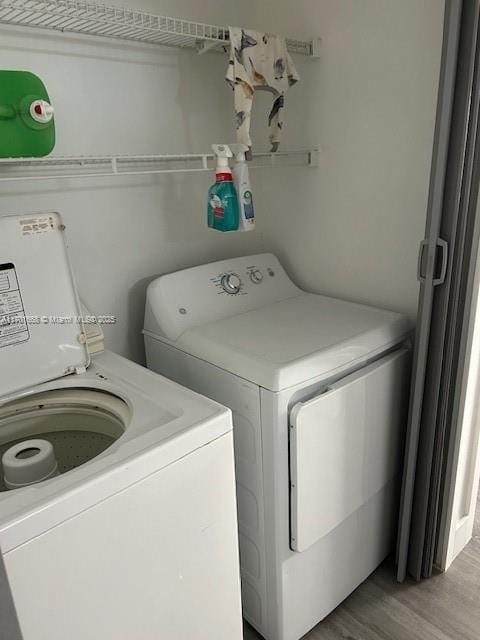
(79, 423)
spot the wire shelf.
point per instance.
(53, 168)
(91, 18)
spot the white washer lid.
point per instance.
(40, 327)
(292, 341)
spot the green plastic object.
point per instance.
(27, 125)
(223, 210)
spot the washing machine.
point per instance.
(131, 532)
(319, 392)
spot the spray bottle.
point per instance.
(242, 182)
(223, 209)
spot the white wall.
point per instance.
(352, 227)
(115, 97)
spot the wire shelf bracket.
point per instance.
(96, 19)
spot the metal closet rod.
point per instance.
(96, 19)
(51, 168)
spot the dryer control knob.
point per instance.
(256, 276)
(231, 283)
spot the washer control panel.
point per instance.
(179, 301)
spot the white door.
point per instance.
(346, 444)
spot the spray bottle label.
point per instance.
(217, 206)
(248, 205)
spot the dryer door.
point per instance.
(346, 444)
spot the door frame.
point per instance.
(438, 459)
(462, 474)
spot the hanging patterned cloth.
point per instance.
(259, 61)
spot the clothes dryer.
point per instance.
(319, 392)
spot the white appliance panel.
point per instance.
(294, 340)
(345, 446)
(243, 398)
(269, 332)
(179, 301)
(303, 588)
(40, 331)
(87, 579)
